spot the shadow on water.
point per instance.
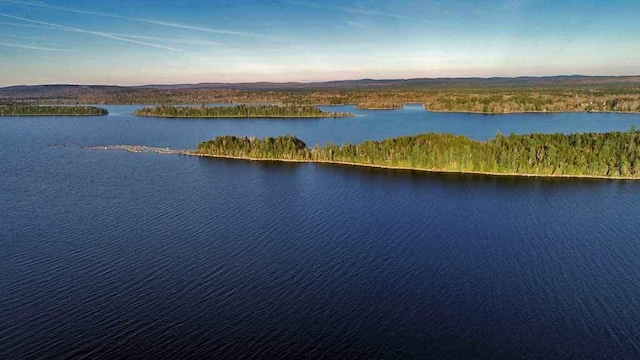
(453, 179)
(266, 165)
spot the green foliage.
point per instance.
(282, 147)
(532, 100)
(35, 110)
(379, 106)
(610, 154)
(494, 97)
(239, 111)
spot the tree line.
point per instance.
(493, 100)
(379, 106)
(612, 154)
(510, 102)
(35, 110)
(239, 111)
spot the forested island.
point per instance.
(379, 106)
(238, 111)
(35, 110)
(598, 155)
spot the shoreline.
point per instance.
(357, 108)
(244, 117)
(378, 109)
(40, 115)
(405, 168)
(531, 112)
(194, 153)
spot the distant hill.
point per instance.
(57, 90)
(329, 92)
(64, 90)
(525, 81)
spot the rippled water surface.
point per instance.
(108, 254)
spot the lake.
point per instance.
(109, 254)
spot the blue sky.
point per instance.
(149, 42)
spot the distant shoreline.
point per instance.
(399, 108)
(379, 106)
(244, 117)
(45, 115)
(237, 111)
(377, 109)
(50, 110)
(532, 112)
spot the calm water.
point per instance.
(107, 254)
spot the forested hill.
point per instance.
(611, 155)
(474, 82)
(34, 110)
(446, 83)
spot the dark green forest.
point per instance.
(239, 111)
(35, 110)
(612, 154)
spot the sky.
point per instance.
(134, 42)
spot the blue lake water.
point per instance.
(108, 254)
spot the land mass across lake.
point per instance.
(473, 95)
(612, 155)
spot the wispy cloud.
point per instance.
(26, 25)
(141, 20)
(352, 10)
(41, 48)
(188, 41)
(170, 40)
(22, 37)
(96, 33)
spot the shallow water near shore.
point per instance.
(109, 254)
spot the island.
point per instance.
(49, 110)
(611, 155)
(597, 155)
(379, 106)
(238, 111)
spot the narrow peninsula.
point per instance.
(36, 110)
(597, 155)
(611, 155)
(238, 111)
